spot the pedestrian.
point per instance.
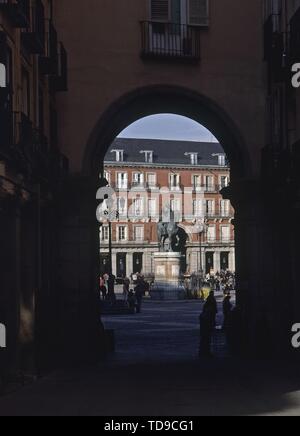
(139, 294)
(227, 308)
(211, 306)
(131, 300)
(111, 289)
(207, 325)
(126, 287)
(103, 289)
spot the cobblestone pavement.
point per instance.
(164, 331)
(156, 372)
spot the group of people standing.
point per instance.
(208, 322)
(223, 281)
(133, 298)
(107, 287)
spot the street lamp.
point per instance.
(202, 227)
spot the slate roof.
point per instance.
(165, 152)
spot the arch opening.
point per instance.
(133, 239)
(173, 100)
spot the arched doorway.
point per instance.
(175, 100)
(156, 100)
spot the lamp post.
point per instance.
(202, 229)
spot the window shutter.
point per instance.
(160, 10)
(199, 12)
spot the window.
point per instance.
(119, 155)
(175, 181)
(176, 206)
(225, 234)
(224, 181)
(148, 156)
(138, 179)
(138, 207)
(122, 233)
(209, 183)
(210, 208)
(160, 10)
(152, 208)
(151, 179)
(139, 233)
(197, 182)
(198, 208)
(107, 176)
(211, 233)
(193, 157)
(225, 208)
(104, 233)
(198, 12)
(122, 181)
(222, 160)
(122, 206)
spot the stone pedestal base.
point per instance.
(167, 285)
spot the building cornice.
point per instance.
(152, 166)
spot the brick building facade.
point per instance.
(32, 171)
(187, 177)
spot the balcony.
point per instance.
(214, 189)
(18, 12)
(48, 64)
(33, 37)
(170, 41)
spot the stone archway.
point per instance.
(245, 195)
(153, 100)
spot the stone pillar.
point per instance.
(114, 262)
(10, 280)
(217, 261)
(129, 266)
(81, 337)
(261, 272)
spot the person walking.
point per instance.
(227, 309)
(126, 287)
(139, 294)
(207, 325)
(103, 289)
(111, 289)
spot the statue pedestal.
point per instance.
(167, 285)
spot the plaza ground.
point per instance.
(156, 371)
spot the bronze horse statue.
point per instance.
(167, 231)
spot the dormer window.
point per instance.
(148, 156)
(221, 159)
(119, 155)
(193, 157)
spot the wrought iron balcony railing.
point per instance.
(33, 37)
(170, 41)
(49, 63)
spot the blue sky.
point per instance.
(168, 127)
